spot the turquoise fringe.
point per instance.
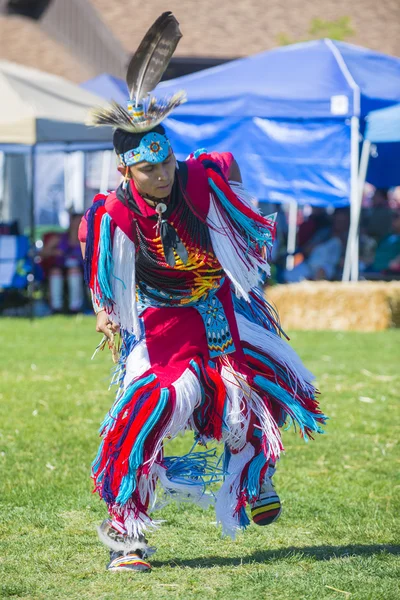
(303, 417)
(252, 230)
(105, 265)
(254, 475)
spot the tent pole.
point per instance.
(355, 198)
(350, 269)
(32, 233)
(354, 226)
(83, 180)
(292, 231)
(364, 161)
(105, 170)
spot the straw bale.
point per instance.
(337, 306)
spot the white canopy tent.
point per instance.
(42, 113)
(37, 108)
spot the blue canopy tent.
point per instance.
(383, 129)
(292, 117)
(108, 87)
(383, 126)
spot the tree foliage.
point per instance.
(340, 29)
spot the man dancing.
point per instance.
(173, 259)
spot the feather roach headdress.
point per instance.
(145, 70)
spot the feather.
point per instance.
(113, 114)
(116, 116)
(152, 57)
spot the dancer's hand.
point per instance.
(105, 326)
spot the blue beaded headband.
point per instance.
(153, 148)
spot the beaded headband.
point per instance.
(153, 148)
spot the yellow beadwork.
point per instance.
(208, 271)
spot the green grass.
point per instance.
(338, 536)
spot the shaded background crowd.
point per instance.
(322, 238)
(319, 255)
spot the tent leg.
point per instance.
(365, 154)
(74, 175)
(353, 232)
(292, 233)
(32, 234)
(350, 269)
(106, 164)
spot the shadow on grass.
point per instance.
(315, 552)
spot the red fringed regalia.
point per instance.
(201, 347)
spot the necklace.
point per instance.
(155, 201)
(160, 205)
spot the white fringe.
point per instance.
(238, 414)
(244, 196)
(268, 425)
(244, 275)
(188, 398)
(136, 527)
(248, 200)
(129, 545)
(147, 486)
(227, 495)
(277, 349)
(123, 283)
(137, 363)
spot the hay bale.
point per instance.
(358, 306)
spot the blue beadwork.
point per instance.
(153, 148)
(219, 337)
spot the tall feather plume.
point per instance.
(152, 57)
(144, 73)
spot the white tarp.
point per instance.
(36, 107)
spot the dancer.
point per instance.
(173, 259)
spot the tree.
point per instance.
(340, 30)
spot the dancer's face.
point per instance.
(154, 180)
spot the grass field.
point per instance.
(338, 536)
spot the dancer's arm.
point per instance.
(104, 324)
(234, 172)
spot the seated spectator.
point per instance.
(387, 257)
(63, 256)
(9, 228)
(367, 249)
(325, 257)
(377, 219)
(315, 229)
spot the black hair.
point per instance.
(342, 210)
(124, 140)
(383, 191)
